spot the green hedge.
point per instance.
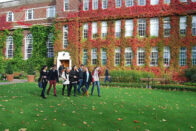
(129, 76)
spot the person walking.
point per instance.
(61, 68)
(44, 80)
(66, 82)
(73, 76)
(95, 76)
(81, 75)
(87, 80)
(107, 76)
(53, 78)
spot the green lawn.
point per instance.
(118, 109)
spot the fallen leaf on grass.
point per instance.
(58, 104)
(119, 119)
(100, 113)
(136, 121)
(22, 129)
(35, 120)
(45, 119)
(163, 120)
(84, 122)
(38, 115)
(63, 124)
(54, 110)
(51, 106)
(41, 111)
(73, 111)
(191, 127)
(147, 130)
(6, 130)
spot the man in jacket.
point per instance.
(81, 75)
(53, 78)
(107, 76)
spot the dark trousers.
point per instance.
(63, 90)
(70, 88)
(44, 84)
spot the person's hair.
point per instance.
(73, 67)
(43, 67)
(81, 65)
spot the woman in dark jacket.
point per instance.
(73, 77)
(87, 80)
(44, 80)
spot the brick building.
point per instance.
(151, 35)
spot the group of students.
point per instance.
(80, 77)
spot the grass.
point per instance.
(118, 109)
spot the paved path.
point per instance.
(13, 82)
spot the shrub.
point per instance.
(9, 69)
(191, 74)
(129, 76)
(30, 69)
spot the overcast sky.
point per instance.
(4, 0)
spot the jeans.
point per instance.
(70, 87)
(52, 82)
(107, 79)
(44, 84)
(86, 85)
(64, 88)
(80, 85)
(98, 87)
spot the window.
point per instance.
(85, 5)
(103, 29)
(118, 3)
(166, 26)
(154, 56)
(118, 29)
(193, 0)
(128, 56)
(9, 47)
(141, 2)
(183, 56)
(166, 56)
(29, 14)
(94, 56)
(193, 55)
(183, 0)
(142, 27)
(65, 37)
(154, 27)
(129, 3)
(66, 5)
(28, 46)
(154, 2)
(10, 16)
(166, 1)
(183, 25)
(117, 56)
(85, 31)
(51, 12)
(50, 47)
(103, 56)
(85, 56)
(194, 25)
(95, 4)
(104, 4)
(128, 28)
(94, 30)
(140, 56)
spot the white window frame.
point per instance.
(95, 4)
(154, 27)
(118, 29)
(27, 14)
(10, 14)
(28, 42)
(104, 29)
(142, 27)
(66, 5)
(103, 56)
(141, 2)
(193, 56)
(118, 3)
(65, 36)
(166, 56)
(183, 56)
(94, 56)
(128, 56)
(129, 28)
(94, 30)
(154, 2)
(85, 31)
(183, 25)
(140, 56)
(193, 0)
(85, 57)
(50, 46)
(104, 4)
(154, 56)
(51, 12)
(166, 26)
(117, 57)
(9, 47)
(129, 3)
(194, 25)
(85, 5)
